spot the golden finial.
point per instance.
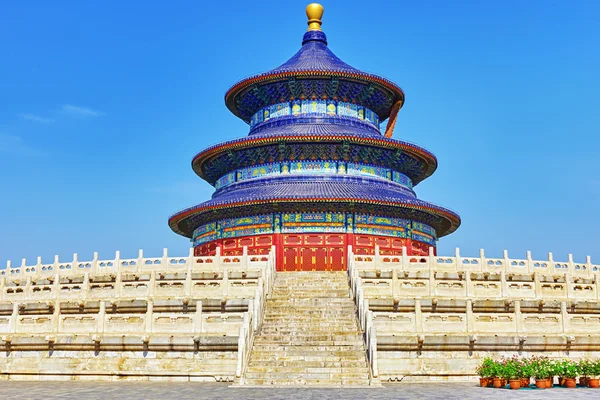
(314, 12)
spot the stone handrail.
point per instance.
(140, 264)
(476, 278)
(482, 263)
(365, 316)
(245, 339)
(253, 319)
(167, 277)
(41, 302)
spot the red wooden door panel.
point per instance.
(290, 258)
(337, 259)
(321, 263)
(308, 258)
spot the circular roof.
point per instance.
(341, 193)
(313, 72)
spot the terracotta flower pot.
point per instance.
(562, 381)
(525, 382)
(594, 382)
(571, 383)
(541, 383)
(484, 382)
(549, 383)
(515, 384)
(498, 383)
(583, 380)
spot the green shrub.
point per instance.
(585, 367)
(511, 368)
(594, 368)
(488, 368)
(542, 367)
(568, 369)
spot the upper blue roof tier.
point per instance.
(314, 72)
(356, 194)
(314, 55)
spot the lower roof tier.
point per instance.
(348, 195)
(406, 158)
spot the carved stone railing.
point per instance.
(165, 264)
(163, 277)
(188, 296)
(476, 278)
(415, 295)
(365, 316)
(482, 264)
(253, 320)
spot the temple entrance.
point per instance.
(314, 252)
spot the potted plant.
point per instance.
(594, 371)
(511, 371)
(570, 371)
(527, 372)
(542, 372)
(497, 374)
(486, 371)
(585, 371)
(556, 370)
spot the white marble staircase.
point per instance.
(310, 334)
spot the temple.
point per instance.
(315, 174)
(316, 185)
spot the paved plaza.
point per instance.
(21, 390)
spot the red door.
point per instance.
(290, 258)
(321, 263)
(308, 258)
(337, 259)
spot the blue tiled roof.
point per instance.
(355, 188)
(315, 188)
(317, 181)
(314, 55)
(314, 65)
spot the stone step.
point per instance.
(325, 358)
(335, 308)
(308, 321)
(322, 326)
(310, 283)
(334, 331)
(312, 294)
(315, 351)
(342, 363)
(309, 313)
(308, 302)
(316, 316)
(310, 335)
(312, 343)
(285, 376)
(308, 382)
(293, 327)
(324, 290)
(304, 370)
(310, 306)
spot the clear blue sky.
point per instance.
(104, 103)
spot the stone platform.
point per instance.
(186, 391)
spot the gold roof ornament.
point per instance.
(314, 12)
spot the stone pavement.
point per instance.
(20, 390)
